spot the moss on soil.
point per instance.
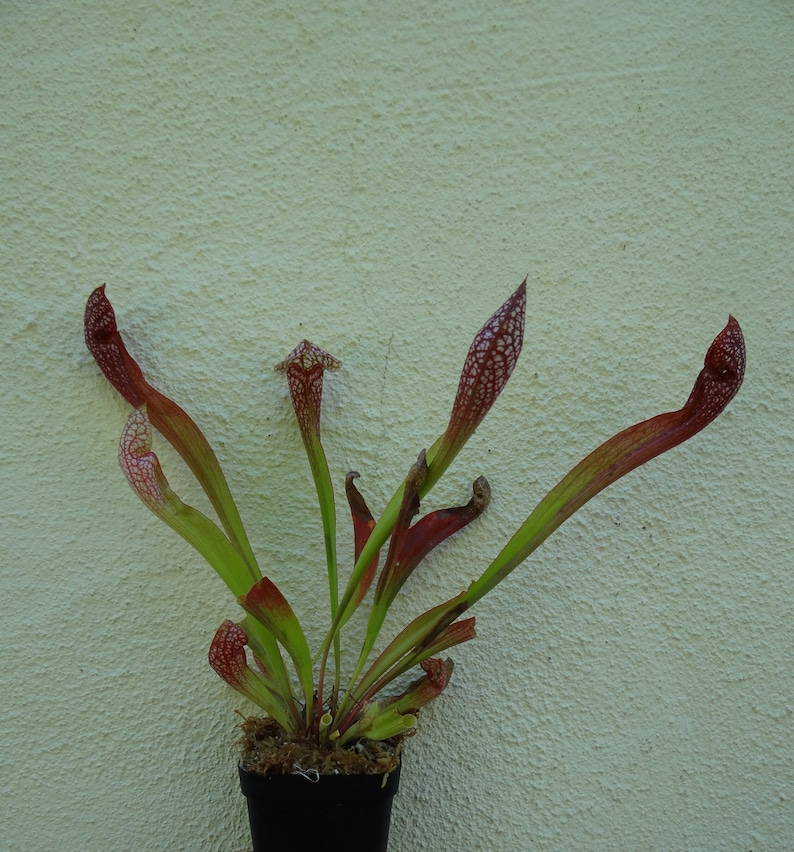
(267, 749)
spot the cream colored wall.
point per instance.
(378, 178)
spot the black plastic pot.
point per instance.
(326, 812)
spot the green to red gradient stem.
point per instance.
(715, 386)
(304, 368)
(105, 343)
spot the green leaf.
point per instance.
(143, 472)
(267, 604)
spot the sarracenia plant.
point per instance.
(343, 711)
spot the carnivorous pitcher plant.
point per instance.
(329, 697)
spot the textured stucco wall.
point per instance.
(378, 177)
